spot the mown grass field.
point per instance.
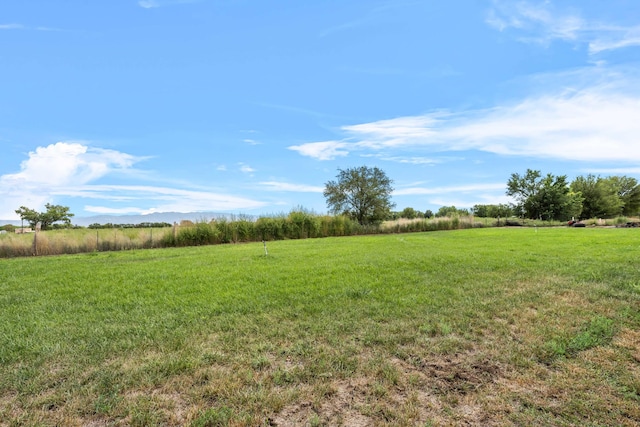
(470, 327)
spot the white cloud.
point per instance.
(615, 38)
(68, 169)
(325, 150)
(284, 186)
(49, 169)
(246, 168)
(615, 171)
(65, 163)
(585, 115)
(413, 160)
(541, 19)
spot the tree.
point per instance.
(451, 211)
(547, 197)
(428, 213)
(601, 199)
(54, 213)
(410, 213)
(362, 193)
(492, 211)
(29, 215)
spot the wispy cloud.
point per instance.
(24, 27)
(542, 22)
(246, 168)
(376, 15)
(325, 150)
(152, 4)
(148, 4)
(615, 171)
(165, 199)
(586, 115)
(285, 186)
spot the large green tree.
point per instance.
(53, 213)
(600, 196)
(608, 197)
(363, 193)
(544, 197)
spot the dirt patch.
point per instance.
(342, 407)
(440, 390)
(459, 375)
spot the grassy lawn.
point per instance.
(470, 327)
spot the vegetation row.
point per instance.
(298, 224)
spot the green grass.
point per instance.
(483, 326)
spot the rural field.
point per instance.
(487, 326)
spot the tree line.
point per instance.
(550, 197)
(363, 194)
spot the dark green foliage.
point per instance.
(600, 197)
(362, 193)
(547, 198)
(8, 228)
(608, 197)
(410, 213)
(54, 213)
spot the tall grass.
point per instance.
(297, 224)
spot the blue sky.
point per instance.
(250, 107)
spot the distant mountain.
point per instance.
(168, 217)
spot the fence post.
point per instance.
(34, 248)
